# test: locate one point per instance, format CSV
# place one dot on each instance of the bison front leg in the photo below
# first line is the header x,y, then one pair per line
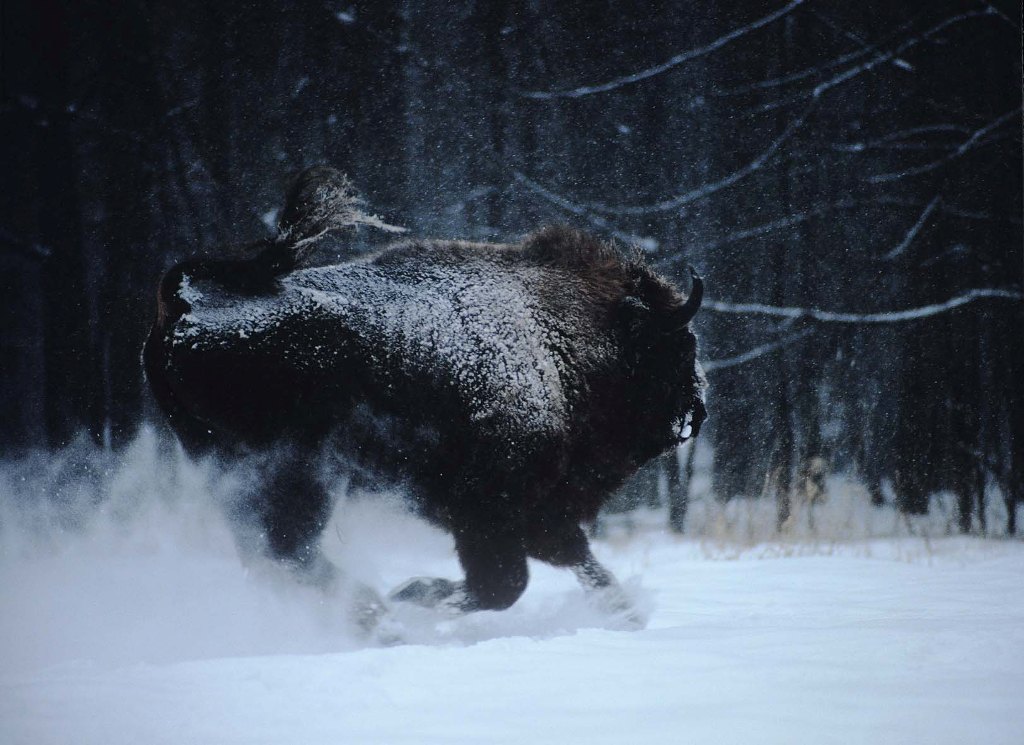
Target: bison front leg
x,y
293,506
560,541
492,552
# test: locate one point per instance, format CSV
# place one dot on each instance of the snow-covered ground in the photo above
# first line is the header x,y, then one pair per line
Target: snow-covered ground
x,y
140,625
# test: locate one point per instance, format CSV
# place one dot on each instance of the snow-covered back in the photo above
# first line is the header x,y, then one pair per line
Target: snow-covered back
x,y
474,324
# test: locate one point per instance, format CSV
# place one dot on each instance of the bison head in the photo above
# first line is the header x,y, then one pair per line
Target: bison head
x,y
665,381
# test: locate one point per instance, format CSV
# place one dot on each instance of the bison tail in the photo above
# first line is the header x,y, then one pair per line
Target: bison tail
x,y
320,200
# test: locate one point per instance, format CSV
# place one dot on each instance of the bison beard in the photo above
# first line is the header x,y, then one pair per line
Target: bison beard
x,y
508,389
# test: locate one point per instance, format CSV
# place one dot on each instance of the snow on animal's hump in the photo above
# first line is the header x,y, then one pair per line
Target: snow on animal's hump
x,y
493,342
473,328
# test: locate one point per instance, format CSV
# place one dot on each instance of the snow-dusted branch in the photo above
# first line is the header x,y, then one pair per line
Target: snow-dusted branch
x,y
792,77
767,227
817,70
674,61
557,199
943,207
893,54
709,188
645,242
950,209
855,71
895,316
866,46
752,354
900,137
815,211
995,11
755,231
914,229
976,138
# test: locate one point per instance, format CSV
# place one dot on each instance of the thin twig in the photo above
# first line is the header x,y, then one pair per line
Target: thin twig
x,y
707,189
883,57
895,316
914,229
798,218
690,54
810,72
754,353
974,140
857,70
865,45
645,242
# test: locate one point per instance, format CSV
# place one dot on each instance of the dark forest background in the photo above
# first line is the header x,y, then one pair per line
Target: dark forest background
x,y
846,175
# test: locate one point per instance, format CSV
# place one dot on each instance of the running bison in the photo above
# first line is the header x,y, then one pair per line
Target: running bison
x,y
508,389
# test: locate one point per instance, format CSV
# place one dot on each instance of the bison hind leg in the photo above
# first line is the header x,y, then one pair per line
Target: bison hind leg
x,y
283,516
290,507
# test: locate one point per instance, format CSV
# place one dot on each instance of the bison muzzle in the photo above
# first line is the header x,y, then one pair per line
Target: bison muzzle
x,y
507,389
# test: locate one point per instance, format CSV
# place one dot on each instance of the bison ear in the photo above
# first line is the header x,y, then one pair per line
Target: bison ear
x,y
685,312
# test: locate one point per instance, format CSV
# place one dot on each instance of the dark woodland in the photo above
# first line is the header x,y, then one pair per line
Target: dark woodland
x,y
847,178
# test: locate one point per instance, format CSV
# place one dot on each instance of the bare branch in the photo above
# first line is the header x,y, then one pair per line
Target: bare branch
x,y
754,353
950,209
857,70
765,228
914,229
678,59
646,243
707,189
895,316
865,45
710,188
974,140
557,199
918,146
898,138
798,218
809,72
893,54
1002,15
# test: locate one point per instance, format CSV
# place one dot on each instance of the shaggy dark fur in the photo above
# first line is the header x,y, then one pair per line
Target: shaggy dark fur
x,y
508,388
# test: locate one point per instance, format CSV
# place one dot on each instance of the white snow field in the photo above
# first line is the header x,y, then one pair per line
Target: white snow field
x,y
141,626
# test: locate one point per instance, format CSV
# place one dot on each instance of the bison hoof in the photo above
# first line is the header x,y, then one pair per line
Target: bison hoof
x,y
366,611
425,591
618,608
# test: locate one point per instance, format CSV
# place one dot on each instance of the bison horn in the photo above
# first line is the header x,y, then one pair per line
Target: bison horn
x,y
689,309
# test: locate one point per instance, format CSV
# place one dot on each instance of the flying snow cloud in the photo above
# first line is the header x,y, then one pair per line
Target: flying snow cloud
x,y
127,558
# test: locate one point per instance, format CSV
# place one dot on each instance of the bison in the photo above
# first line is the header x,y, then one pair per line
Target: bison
x,y
507,389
